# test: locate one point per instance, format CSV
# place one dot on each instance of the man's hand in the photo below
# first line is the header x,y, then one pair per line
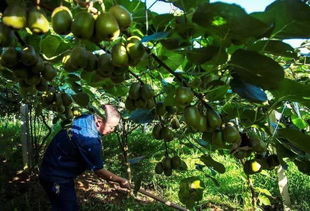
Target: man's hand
x,y
109,176
124,183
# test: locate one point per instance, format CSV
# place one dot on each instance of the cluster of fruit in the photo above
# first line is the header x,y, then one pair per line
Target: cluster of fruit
x,y
210,123
28,68
160,132
168,164
257,165
106,26
140,96
191,191
17,16
57,101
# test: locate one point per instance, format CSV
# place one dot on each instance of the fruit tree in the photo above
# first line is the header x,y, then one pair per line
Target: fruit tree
x,y
209,71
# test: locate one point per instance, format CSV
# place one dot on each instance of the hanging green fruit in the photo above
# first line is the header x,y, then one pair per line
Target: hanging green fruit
x,y
62,20
9,57
83,25
37,22
29,56
6,35
231,134
106,27
119,55
214,119
15,16
183,95
135,50
122,16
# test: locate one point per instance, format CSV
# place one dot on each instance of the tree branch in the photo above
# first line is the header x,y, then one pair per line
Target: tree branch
x,y
198,95
136,76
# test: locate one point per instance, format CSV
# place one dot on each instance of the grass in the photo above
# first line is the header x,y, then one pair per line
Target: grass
x,y
231,193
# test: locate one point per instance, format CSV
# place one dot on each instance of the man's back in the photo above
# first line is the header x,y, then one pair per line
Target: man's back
x,y
73,151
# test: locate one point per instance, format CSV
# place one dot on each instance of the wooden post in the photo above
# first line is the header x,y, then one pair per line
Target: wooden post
x,y
282,178
283,187
25,136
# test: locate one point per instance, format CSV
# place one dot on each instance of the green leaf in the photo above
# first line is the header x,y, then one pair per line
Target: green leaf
x,y
171,58
295,137
299,122
263,190
217,93
49,45
201,55
275,47
257,69
160,22
291,19
118,90
264,200
248,91
229,21
293,91
81,98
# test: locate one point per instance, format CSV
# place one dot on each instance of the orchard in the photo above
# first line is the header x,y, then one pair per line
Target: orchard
x,y
202,90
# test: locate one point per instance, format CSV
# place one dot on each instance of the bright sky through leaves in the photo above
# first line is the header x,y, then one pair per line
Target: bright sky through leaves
x,y
248,5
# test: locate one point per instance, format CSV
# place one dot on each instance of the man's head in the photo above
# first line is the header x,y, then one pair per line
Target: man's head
x,y
107,125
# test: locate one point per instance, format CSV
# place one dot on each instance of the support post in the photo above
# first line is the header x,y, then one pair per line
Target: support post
x,y
25,136
282,178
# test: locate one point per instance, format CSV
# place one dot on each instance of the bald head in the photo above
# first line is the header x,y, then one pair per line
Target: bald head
x,y
107,125
112,114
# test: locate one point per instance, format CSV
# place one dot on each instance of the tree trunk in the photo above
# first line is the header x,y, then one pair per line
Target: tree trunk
x,y
25,137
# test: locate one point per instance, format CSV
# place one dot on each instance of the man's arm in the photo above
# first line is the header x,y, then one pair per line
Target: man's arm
x,y
109,176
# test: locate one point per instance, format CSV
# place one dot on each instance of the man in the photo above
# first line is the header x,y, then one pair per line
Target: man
x,y
73,151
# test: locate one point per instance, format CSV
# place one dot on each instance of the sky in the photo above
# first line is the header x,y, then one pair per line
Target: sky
x,y
248,5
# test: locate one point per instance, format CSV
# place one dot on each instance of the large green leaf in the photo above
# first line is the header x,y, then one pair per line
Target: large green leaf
x,y
52,46
293,91
217,93
229,21
295,137
257,69
201,55
171,58
275,47
161,22
248,91
49,45
290,17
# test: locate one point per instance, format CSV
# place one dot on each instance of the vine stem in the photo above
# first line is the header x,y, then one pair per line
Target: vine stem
x,y
38,3
20,40
252,192
88,5
198,95
136,76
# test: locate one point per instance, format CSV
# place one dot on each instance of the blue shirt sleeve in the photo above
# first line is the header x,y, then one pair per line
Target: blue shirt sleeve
x,y
92,156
